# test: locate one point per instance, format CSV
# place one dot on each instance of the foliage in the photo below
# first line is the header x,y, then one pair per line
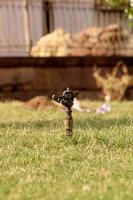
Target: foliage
x,y
126,4
118,3
114,84
37,162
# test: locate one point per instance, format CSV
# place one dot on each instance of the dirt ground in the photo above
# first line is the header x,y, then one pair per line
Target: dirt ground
x,y
41,102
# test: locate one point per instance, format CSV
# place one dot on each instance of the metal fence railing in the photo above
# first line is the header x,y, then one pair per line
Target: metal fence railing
x,y
21,24
24,22
74,15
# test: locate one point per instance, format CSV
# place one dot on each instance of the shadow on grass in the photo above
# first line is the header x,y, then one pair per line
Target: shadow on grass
x,y
96,123
36,124
99,123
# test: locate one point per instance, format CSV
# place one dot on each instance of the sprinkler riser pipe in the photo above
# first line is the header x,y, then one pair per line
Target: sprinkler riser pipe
x,y
68,122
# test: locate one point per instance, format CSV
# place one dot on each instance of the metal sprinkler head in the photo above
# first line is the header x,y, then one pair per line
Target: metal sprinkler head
x,y
67,100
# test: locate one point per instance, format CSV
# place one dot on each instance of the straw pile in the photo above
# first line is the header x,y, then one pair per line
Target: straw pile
x,y
100,41
95,41
56,43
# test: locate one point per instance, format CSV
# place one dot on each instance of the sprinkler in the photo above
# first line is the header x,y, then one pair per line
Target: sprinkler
x,y
67,100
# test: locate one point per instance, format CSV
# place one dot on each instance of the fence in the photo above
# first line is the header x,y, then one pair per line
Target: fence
x,y
78,14
23,22
47,76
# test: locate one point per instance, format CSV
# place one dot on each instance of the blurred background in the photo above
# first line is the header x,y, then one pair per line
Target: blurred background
x,y
46,46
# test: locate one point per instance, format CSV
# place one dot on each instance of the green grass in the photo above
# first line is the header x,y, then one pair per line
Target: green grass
x,y
37,162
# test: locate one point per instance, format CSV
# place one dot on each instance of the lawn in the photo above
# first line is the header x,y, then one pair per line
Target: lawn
x,y
37,162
